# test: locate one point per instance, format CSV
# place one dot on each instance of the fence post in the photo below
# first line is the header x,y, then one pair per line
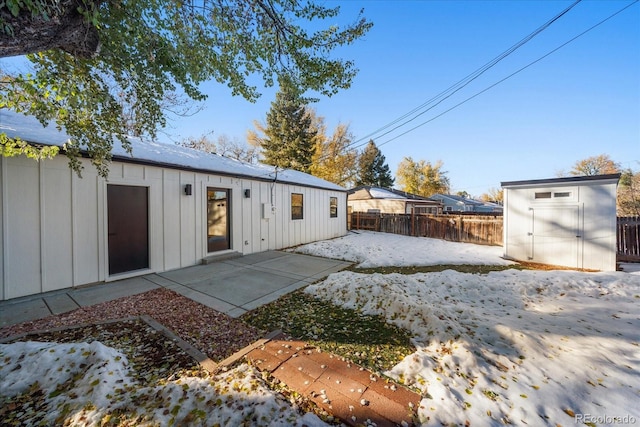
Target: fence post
x,y
413,222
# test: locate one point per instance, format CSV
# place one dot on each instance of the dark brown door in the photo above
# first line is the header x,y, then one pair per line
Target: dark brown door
x,y
218,219
128,217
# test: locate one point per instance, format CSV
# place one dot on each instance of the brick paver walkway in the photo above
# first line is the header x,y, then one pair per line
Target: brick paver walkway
x,y
346,391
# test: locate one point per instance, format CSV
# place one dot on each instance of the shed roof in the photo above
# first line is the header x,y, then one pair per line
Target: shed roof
x,y
564,180
163,155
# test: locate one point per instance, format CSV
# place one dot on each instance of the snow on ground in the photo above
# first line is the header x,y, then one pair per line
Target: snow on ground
x,y
89,383
371,249
633,268
511,347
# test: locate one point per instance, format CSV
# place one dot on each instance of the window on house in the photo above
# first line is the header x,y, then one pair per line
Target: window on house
x,y
296,206
543,195
333,207
423,210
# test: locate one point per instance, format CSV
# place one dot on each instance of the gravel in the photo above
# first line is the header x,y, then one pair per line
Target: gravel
x,y
211,332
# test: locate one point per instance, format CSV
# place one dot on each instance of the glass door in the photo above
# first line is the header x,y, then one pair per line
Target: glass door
x,y
218,235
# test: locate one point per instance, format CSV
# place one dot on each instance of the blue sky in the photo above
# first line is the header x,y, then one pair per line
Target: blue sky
x,y
581,101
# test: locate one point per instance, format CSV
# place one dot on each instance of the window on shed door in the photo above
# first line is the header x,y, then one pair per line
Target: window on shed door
x,y
297,206
333,207
543,195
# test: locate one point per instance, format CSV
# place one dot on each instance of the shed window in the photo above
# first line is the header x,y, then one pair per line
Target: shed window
x,y
562,194
333,207
543,195
297,206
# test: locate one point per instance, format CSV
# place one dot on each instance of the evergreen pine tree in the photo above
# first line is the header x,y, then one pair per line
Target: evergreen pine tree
x,y
289,136
372,168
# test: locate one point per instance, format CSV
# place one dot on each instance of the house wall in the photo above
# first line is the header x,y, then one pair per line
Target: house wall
x,y
577,229
54,224
450,205
429,208
383,205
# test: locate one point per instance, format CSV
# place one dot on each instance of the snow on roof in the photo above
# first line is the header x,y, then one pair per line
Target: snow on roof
x,y
381,193
363,192
30,129
459,199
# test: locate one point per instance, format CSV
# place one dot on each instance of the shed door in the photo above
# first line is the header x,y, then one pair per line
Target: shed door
x,y
128,222
556,235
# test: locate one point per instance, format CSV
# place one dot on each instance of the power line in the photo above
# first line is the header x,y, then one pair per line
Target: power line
x,y
450,91
464,82
510,75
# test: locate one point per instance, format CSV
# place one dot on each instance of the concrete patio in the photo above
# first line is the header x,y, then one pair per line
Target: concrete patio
x,y
232,286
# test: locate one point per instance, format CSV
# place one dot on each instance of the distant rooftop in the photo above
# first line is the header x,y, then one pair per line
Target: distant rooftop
x,y
460,199
374,192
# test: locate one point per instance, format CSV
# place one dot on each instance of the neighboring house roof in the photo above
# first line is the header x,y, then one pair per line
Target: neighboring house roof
x,y
159,154
493,205
453,198
563,180
475,205
366,192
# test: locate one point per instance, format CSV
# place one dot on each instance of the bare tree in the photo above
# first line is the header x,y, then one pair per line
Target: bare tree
x,y
236,149
201,143
629,194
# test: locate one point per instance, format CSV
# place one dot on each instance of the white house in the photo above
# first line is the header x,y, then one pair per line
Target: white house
x,y
563,221
163,208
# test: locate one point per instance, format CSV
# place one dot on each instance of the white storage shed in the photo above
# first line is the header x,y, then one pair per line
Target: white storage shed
x,y
163,208
562,221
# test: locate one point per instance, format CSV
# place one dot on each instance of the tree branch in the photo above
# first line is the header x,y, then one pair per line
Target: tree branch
x,y
66,29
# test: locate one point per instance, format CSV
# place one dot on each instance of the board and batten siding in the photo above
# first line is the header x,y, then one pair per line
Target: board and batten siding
x,y
54,224
382,205
575,226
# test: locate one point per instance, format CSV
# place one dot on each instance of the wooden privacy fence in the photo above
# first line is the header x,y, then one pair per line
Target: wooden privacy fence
x,y
628,234
481,229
